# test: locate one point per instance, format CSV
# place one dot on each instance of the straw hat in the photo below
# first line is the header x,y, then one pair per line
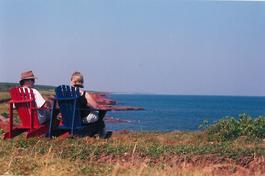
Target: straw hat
x,y
27,75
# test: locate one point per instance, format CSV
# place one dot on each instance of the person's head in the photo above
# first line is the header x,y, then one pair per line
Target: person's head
x,y
77,80
27,79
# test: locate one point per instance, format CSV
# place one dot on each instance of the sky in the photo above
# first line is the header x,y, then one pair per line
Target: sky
x,y
152,46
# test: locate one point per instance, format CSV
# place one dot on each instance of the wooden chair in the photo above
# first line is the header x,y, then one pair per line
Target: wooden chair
x,y
23,100
67,99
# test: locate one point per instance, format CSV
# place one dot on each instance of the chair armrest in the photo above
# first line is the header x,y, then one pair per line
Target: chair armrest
x,y
20,101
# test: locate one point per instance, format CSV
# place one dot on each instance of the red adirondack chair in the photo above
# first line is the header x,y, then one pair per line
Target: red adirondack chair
x,y
23,100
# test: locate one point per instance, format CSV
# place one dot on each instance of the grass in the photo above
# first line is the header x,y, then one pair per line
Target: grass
x,y
126,154
4,95
232,146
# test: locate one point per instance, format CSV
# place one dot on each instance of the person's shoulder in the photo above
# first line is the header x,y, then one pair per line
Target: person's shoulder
x,y
35,90
82,92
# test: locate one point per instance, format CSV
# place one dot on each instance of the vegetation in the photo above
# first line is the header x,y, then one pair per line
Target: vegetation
x,y
232,146
4,87
176,153
231,128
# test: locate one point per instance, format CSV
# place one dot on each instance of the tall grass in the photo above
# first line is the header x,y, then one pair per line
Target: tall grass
x,y
129,154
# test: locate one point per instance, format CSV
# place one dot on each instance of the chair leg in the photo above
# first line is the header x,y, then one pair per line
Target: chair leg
x,y
10,120
51,119
15,132
101,114
100,124
73,118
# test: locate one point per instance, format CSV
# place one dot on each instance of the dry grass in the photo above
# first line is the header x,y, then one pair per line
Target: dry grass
x,y
4,95
129,154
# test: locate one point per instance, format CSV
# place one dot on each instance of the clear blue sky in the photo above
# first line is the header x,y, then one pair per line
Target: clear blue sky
x,y
152,46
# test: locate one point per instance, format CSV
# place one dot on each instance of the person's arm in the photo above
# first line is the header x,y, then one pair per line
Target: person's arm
x,y
92,103
48,103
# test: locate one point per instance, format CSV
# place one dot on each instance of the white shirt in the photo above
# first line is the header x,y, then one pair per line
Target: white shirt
x,y
38,98
43,115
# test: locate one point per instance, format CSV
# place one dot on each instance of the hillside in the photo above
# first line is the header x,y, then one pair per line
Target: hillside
x,y
4,86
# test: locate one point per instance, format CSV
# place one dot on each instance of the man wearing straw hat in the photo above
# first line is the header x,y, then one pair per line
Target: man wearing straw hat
x,y
27,80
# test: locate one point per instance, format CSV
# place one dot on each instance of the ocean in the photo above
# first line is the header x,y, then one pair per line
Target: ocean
x,y
180,112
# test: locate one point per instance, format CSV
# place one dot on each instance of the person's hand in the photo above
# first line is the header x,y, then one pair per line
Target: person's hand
x,y
48,104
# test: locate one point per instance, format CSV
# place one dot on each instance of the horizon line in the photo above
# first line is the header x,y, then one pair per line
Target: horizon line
x,y
153,93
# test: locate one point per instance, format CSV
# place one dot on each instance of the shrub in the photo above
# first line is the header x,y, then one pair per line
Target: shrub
x,y
229,128
259,130
246,125
224,129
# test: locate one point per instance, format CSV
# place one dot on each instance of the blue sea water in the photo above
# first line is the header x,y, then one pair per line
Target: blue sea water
x,y
179,112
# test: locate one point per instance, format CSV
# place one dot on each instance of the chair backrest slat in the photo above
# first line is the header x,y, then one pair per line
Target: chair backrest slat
x,y
22,97
66,97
